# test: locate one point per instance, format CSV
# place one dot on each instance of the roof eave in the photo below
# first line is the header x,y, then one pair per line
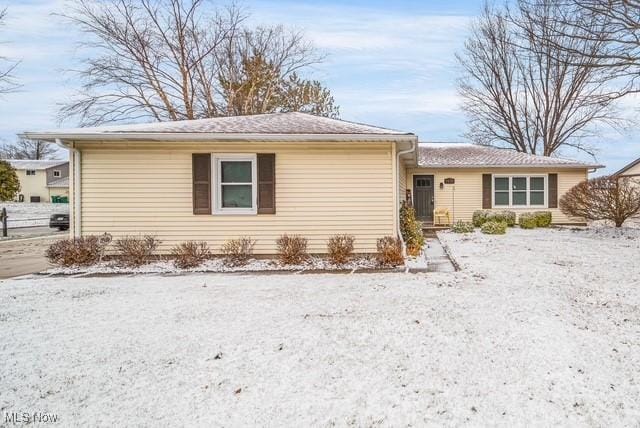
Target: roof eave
x,y
560,166
627,167
210,137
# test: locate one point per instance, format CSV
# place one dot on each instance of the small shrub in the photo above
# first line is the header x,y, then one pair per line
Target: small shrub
x,y
190,254
237,252
614,198
389,251
462,227
85,251
528,221
479,217
505,216
340,249
543,218
494,228
411,229
136,251
292,250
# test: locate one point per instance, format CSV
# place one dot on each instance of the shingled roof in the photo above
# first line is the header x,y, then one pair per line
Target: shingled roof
x,y
259,125
463,155
34,164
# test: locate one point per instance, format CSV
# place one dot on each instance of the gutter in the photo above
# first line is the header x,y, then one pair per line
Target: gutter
x,y
412,149
77,202
211,137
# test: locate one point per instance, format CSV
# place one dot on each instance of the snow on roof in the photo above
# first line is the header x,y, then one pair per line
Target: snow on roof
x,y
293,123
34,164
61,182
466,155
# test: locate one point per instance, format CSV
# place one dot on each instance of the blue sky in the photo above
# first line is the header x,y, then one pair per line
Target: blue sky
x,y
388,63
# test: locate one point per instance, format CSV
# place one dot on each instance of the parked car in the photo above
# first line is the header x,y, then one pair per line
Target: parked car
x,y
59,221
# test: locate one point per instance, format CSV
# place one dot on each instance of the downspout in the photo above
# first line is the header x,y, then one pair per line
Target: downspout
x,y
76,187
397,213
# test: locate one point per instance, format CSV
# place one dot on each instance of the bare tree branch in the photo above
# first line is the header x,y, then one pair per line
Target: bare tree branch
x,y
522,91
172,60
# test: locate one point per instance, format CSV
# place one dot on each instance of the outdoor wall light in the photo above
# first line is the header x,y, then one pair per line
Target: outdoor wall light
x,y
441,185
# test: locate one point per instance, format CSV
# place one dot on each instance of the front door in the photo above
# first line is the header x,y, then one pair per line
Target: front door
x,y
423,197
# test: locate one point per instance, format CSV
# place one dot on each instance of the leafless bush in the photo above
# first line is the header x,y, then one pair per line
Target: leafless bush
x,y
603,198
237,252
190,254
136,251
292,249
340,248
85,251
389,251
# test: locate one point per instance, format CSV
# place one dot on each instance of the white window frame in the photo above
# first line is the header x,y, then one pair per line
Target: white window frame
x,y
528,190
57,171
216,160
29,171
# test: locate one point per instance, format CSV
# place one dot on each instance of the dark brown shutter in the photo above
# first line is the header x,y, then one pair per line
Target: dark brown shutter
x,y
486,191
266,183
553,190
201,173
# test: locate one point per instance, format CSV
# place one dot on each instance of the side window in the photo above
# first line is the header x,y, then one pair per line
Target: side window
x,y
57,173
501,189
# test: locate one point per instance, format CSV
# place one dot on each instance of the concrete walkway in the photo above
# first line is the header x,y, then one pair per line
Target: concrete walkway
x,y
437,258
24,256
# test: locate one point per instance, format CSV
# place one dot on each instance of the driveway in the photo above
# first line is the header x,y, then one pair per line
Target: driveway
x,y
24,256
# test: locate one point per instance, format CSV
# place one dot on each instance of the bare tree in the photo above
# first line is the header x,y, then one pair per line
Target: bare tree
x,y
616,23
604,198
173,60
7,81
28,149
521,91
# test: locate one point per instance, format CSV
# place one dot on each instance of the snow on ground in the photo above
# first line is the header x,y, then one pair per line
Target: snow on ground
x,y
541,327
27,214
217,265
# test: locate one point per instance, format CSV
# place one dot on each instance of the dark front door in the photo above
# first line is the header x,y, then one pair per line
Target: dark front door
x,y
423,197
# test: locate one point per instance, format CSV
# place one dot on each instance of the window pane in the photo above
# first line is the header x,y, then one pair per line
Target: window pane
x,y
536,198
519,198
236,171
502,198
236,196
537,183
502,183
519,183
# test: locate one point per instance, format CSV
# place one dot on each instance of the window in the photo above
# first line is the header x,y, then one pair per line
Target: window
x,y
519,191
235,185
31,172
57,173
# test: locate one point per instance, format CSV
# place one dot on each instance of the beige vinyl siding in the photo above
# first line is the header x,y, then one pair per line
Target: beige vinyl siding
x,y
402,174
33,185
635,171
634,174
321,190
465,196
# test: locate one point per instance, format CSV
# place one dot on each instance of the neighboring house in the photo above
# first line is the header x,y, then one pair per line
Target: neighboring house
x,y
41,180
266,175
631,170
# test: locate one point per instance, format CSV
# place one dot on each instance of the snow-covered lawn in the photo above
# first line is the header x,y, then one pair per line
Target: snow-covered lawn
x,y
542,327
27,214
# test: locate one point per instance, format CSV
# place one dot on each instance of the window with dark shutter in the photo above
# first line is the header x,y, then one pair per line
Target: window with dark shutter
x,y
553,191
486,191
201,173
266,183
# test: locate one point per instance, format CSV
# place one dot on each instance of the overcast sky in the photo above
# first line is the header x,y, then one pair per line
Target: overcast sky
x,y
389,64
